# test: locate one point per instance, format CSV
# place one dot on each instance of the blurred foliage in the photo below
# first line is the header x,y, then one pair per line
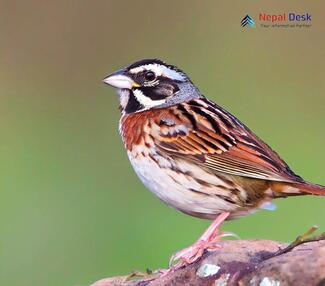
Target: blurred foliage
x,y
72,210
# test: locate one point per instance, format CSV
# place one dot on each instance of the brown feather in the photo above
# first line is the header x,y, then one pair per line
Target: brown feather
x,y
203,133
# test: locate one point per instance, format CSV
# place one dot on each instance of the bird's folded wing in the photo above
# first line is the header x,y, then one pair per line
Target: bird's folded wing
x,y
221,143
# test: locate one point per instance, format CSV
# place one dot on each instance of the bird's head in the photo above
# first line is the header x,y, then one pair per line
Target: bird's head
x,y
151,83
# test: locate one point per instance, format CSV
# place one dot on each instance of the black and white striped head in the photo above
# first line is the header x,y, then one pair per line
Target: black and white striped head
x,y
151,83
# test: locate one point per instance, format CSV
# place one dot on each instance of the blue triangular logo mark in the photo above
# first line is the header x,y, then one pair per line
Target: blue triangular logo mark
x,y
247,20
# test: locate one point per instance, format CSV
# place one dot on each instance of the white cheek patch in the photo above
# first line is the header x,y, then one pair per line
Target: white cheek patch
x,y
146,101
160,70
124,97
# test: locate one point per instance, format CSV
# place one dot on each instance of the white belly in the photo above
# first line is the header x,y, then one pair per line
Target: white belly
x,y
176,184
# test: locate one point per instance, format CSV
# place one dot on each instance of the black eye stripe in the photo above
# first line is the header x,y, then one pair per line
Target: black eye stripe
x,y
153,93
141,77
163,88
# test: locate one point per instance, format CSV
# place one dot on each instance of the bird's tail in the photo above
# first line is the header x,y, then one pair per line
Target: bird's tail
x,y
297,189
310,188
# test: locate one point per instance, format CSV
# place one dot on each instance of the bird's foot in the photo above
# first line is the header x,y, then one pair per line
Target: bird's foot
x,y
208,241
194,252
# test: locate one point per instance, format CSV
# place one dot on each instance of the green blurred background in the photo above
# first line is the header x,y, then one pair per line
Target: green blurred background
x,y
72,210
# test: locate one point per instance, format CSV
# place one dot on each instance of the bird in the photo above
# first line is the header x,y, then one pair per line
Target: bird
x,y
193,154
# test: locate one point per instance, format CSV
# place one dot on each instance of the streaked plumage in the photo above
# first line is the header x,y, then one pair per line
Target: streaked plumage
x,y
194,155
208,156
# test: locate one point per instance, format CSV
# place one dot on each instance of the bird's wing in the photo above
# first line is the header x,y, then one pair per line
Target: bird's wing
x,y
203,132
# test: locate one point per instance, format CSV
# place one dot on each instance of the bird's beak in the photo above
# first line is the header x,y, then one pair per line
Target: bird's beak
x,y
120,80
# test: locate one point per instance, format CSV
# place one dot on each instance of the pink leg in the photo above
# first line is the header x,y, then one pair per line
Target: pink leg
x,y
207,241
213,229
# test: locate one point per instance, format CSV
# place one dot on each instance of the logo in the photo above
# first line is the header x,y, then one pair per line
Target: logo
x,y
247,20
279,20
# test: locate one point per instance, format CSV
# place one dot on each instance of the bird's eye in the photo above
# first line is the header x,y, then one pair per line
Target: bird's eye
x,y
149,76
